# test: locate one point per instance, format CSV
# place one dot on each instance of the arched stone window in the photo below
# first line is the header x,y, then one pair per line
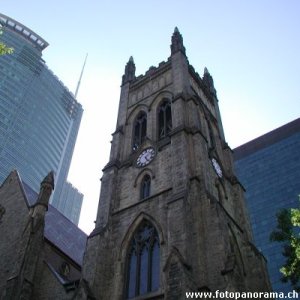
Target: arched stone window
x,y
145,187
164,119
139,130
143,262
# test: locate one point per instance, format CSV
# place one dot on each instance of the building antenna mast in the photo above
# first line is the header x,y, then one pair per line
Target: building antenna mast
x,y
79,81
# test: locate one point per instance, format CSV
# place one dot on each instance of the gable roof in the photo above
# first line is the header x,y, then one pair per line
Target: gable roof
x,y
59,230
65,235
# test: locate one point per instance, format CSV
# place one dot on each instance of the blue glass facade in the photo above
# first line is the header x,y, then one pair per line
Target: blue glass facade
x,y
39,117
269,169
70,202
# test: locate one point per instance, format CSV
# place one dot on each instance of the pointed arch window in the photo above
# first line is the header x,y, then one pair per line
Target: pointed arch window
x,y
143,262
145,187
164,119
139,130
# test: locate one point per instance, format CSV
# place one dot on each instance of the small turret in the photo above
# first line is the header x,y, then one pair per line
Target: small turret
x,y
208,81
177,42
129,74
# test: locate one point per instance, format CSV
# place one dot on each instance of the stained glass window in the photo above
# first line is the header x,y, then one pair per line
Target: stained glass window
x,y
143,262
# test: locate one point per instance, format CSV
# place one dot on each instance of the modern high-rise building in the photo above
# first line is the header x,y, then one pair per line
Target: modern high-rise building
x,y
39,116
269,169
70,202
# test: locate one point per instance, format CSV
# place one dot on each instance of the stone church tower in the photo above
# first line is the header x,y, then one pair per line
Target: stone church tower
x,y
171,216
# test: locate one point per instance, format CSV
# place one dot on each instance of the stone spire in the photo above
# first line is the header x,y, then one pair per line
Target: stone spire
x,y
48,181
47,185
177,42
129,74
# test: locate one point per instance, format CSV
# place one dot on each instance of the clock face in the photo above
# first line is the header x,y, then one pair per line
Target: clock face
x,y
145,157
217,167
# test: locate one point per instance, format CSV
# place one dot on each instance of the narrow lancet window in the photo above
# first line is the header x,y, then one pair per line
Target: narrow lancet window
x,y
145,187
164,119
139,130
143,262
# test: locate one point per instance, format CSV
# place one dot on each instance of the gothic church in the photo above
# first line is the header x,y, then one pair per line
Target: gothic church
x,y
171,216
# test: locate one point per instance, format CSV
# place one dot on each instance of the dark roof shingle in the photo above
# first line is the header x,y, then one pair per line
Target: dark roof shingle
x,y
59,230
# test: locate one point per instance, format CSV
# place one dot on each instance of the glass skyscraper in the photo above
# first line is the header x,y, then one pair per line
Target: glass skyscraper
x,y
269,169
70,202
39,116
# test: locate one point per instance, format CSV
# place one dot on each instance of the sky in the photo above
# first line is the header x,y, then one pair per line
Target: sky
x,y
251,48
